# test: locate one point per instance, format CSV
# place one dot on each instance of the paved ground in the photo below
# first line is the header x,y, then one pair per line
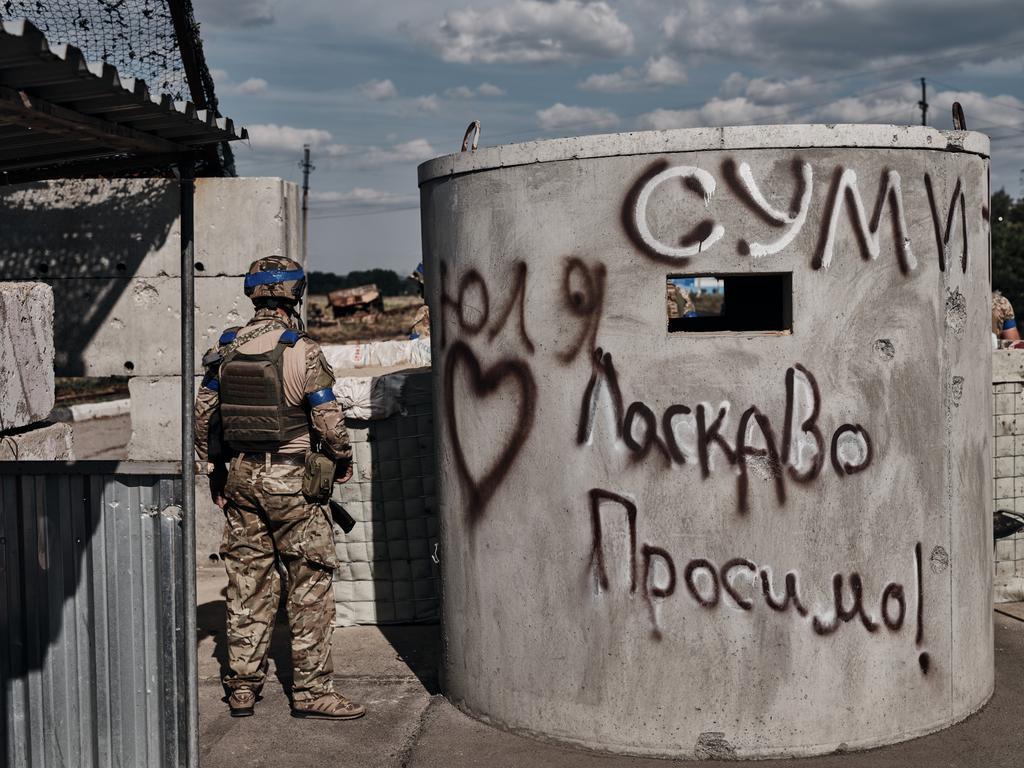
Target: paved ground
x,y
393,671
102,438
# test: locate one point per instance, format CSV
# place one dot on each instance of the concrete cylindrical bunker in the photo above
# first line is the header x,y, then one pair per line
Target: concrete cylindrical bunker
x,y
759,534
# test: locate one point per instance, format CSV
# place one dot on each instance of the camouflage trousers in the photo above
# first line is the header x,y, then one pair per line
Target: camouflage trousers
x,y
268,518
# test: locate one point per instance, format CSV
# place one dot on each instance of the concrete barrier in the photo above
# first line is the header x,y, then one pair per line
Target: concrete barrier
x,y
26,354
51,442
760,533
1008,444
110,250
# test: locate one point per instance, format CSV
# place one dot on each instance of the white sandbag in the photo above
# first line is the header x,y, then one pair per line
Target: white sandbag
x,y
378,354
370,397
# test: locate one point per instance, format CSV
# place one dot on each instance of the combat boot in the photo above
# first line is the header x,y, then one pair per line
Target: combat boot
x,y
329,706
242,702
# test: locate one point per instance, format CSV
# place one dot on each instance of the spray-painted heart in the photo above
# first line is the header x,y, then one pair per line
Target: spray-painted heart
x,y
484,383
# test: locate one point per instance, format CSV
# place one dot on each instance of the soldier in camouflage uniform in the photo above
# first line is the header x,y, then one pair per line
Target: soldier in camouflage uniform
x,y
270,386
1004,325
421,322
678,301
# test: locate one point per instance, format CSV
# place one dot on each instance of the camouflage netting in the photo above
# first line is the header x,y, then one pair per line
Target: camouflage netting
x,y
135,36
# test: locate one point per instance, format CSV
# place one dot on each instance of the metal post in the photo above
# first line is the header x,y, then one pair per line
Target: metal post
x,y
306,168
187,193
923,103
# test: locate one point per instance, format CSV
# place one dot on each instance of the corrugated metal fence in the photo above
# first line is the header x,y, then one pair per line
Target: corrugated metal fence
x,y
92,615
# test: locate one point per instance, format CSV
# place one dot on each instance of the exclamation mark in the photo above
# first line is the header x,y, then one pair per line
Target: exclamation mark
x,y
924,660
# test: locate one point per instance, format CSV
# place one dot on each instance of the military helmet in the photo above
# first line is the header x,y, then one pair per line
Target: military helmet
x,y
275,277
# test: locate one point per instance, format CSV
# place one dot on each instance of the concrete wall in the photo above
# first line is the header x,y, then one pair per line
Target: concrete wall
x,y
1008,445
110,250
616,497
26,353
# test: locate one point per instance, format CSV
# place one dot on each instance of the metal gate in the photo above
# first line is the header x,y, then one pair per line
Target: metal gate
x,y
93,615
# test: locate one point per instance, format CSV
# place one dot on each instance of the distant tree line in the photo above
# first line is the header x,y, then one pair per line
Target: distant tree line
x,y
388,281
1007,220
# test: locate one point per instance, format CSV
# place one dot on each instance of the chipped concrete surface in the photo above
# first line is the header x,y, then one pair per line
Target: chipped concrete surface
x,y
394,671
26,353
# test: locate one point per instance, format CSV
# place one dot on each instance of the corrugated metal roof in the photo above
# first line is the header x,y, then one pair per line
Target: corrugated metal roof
x,y
55,107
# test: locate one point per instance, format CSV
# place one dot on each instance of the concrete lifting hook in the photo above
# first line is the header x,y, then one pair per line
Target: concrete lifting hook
x,y
959,121
473,128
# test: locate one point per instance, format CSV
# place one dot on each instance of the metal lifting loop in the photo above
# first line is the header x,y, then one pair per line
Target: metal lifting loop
x,y
959,120
473,128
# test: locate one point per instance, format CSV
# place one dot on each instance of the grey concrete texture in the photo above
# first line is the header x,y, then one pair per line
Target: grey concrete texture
x,y
97,228
156,417
847,460
393,670
105,438
111,251
52,442
26,354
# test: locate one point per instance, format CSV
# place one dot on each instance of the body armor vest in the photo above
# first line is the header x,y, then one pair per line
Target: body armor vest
x,y
253,407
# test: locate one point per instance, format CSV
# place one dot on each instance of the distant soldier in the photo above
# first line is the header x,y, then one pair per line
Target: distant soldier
x,y
1004,325
271,388
421,322
678,301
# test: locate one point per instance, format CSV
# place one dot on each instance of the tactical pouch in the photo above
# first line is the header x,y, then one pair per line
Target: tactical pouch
x,y
318,479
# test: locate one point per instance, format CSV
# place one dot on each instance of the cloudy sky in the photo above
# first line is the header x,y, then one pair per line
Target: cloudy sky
x,y
377,87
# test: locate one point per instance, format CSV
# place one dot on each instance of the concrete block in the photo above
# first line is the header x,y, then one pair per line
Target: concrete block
x,y
1004,467
1005,404
156,418
1004,445
114,327
26,354
52,442
130,227
239,220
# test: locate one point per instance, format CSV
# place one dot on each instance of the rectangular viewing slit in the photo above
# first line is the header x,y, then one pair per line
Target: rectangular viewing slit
x,y
711,303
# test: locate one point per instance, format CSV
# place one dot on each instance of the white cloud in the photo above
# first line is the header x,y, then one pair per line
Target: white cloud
x,y
839,34
224,85
270,138
362,197
378,90
735,111
489,90
528,31
236,13
658,72
563,116
414,151
1003,67
430,104
764,90
486,90
251,86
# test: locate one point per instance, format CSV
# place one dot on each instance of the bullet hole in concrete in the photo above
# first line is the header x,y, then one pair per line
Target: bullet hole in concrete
x,y
121,267
42,268
925,661
885,349
957,390
939,560
214,558
956,312
200,266
129,365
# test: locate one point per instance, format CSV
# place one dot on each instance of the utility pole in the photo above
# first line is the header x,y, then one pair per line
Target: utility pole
x,y
923,103
306,167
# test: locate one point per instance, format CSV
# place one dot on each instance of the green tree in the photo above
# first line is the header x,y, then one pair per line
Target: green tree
x,y
1007,220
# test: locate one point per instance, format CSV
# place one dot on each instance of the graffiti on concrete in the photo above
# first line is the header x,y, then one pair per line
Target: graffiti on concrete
x,y
654,572
843,194
685,434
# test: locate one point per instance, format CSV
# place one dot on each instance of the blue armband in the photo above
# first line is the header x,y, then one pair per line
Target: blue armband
x,y
1011,323
211,383
228,336
289,337
691,314
320,397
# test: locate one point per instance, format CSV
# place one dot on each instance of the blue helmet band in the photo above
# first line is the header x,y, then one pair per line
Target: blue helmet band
x,y
273,276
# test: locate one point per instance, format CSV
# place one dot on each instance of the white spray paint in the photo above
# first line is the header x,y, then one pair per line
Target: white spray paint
x,y
847,188
794,220
707,184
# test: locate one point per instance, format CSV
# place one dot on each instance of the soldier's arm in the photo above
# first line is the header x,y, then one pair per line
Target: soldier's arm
x,y
325,414
207,402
